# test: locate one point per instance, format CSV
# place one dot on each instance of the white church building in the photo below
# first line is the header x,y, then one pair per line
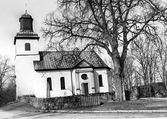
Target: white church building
x,y
56,73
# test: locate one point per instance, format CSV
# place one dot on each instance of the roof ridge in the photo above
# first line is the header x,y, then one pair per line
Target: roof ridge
x,y
83,60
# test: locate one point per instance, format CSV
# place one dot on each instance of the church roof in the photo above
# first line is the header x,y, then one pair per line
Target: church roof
x,y
57,60
26,15
25,35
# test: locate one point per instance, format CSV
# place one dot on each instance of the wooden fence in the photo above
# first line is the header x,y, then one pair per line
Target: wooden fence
x,y
89,100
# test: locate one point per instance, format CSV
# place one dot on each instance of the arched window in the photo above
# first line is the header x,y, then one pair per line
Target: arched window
x,y
62,83
49,83
27,47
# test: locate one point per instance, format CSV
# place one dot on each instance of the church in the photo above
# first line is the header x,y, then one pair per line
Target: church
x,y
46,74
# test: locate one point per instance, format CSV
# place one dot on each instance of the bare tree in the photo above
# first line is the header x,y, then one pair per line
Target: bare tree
x,y
7,80
128,73
145,54
146,57
162,58
5,68
108,24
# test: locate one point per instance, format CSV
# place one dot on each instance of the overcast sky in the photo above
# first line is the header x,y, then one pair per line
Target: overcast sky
x,y
10,12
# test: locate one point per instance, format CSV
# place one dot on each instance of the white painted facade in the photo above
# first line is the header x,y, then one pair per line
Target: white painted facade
x,y
73,82
20,47
41,80
25,75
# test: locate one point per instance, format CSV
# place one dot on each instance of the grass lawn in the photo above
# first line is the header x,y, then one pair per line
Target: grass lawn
x,y
140,104
23,110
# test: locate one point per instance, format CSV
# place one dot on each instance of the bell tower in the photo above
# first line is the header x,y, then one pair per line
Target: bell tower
x,y
26,51
26,40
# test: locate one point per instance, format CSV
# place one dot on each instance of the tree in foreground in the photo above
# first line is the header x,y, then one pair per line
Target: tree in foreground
x,y
107,24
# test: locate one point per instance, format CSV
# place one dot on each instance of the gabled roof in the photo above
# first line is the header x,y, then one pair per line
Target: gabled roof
x,y
58,60
83,63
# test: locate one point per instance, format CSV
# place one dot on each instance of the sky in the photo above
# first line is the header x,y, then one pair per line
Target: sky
x,y
11,11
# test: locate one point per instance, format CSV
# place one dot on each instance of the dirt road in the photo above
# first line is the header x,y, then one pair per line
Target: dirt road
x,y
37,115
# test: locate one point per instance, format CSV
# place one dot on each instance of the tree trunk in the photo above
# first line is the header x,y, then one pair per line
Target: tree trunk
x,y
118,78
164,74
119,90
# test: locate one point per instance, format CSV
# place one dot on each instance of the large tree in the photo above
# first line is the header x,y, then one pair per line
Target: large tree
x,y
108,24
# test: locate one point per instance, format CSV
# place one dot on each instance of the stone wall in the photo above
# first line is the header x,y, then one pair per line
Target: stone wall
x,y
152,90
67,102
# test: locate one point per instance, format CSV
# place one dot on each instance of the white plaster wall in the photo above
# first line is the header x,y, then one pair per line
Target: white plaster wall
x,y
20,49
24,68
78,90
74,81
97,89
41,81
25,74
103,72
90,80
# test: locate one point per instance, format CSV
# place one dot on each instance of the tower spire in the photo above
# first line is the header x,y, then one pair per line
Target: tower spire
x,y
26,8
26,22
26,27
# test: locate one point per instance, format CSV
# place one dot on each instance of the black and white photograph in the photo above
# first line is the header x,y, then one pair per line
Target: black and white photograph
x,y
83,59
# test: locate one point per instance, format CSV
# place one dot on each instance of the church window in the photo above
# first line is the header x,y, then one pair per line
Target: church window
x,y
100,81
27,47
49,83
62,83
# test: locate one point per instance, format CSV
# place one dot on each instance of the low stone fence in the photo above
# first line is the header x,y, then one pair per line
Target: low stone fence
x,y
69,101
152,90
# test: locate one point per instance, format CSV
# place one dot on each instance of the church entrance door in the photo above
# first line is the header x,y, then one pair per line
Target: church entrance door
x,y
85,88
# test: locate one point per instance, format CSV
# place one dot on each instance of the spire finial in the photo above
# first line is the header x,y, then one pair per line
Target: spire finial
x,y
26,8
